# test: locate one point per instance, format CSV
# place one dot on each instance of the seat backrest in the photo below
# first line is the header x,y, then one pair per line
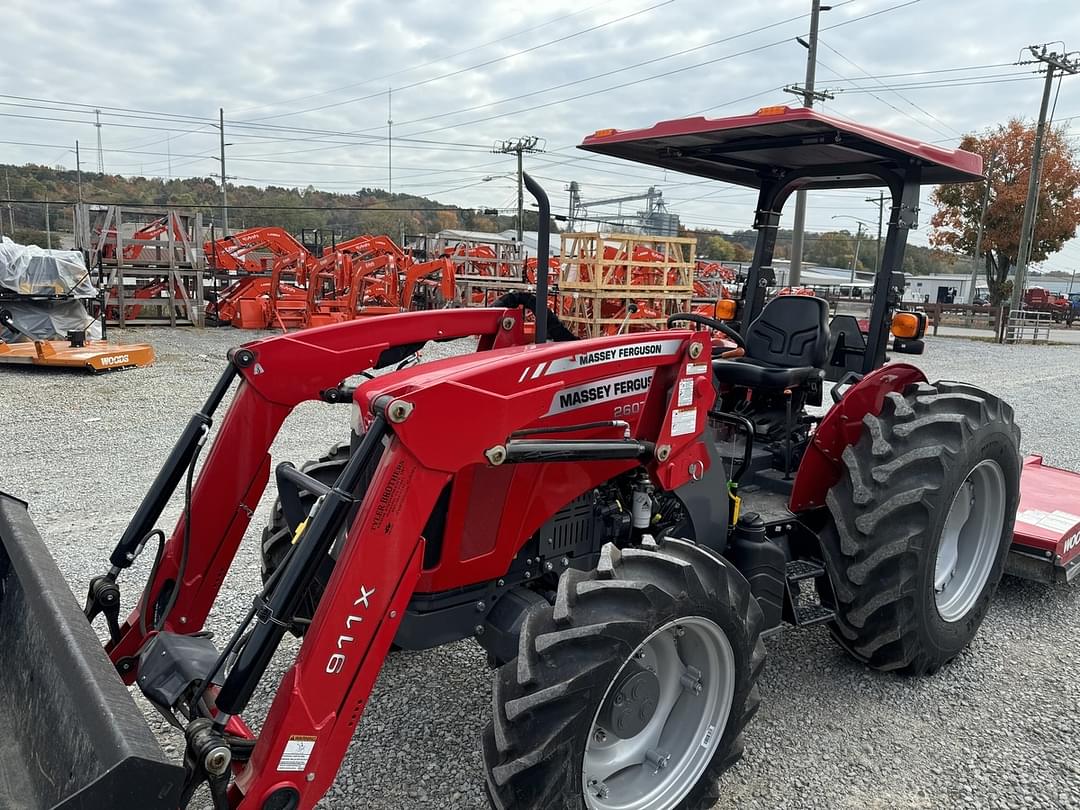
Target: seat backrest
x,y
791,331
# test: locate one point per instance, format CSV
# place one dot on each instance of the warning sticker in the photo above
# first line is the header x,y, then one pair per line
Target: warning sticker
x,y
296,754
683,422
1056,521
686,393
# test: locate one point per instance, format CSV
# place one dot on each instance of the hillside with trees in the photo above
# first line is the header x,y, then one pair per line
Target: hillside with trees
x,y
829,249
365,211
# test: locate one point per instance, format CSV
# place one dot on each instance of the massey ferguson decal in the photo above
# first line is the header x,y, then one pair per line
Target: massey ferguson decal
x,y
631,351
581,396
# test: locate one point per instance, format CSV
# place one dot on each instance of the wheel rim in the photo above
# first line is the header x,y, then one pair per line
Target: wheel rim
x,y
969,541
694,668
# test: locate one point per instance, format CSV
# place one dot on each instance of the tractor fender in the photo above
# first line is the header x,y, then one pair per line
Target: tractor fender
x,y
821,465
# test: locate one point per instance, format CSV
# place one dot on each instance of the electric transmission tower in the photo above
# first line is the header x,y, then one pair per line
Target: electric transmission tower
x,y
100,153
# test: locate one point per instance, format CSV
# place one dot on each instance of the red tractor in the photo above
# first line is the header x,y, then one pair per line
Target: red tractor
x,y
1040,299
620,523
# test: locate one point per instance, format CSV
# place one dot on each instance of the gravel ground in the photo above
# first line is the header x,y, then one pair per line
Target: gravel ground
x,y
995,729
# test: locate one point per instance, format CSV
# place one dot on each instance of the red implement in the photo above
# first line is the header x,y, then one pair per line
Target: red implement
x,y
1046,540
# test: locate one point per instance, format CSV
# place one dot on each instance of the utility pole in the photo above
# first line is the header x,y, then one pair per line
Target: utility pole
x,y
48,229
519,146
979,230
100,153
575,202
808,94
389,141
1054,62
879,201
855,258
224,192
78,170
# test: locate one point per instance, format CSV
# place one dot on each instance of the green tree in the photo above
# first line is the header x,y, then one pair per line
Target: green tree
x,y
832,249
717,248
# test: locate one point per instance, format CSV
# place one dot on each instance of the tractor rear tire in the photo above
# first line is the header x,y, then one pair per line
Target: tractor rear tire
x,y
576,658
277,536
922,523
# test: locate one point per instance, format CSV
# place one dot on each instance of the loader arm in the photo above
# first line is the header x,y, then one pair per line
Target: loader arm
x,y
277,374
441,269
535,405
320,700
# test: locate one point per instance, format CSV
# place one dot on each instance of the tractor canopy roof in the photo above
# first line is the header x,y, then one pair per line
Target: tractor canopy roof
x,y
748,149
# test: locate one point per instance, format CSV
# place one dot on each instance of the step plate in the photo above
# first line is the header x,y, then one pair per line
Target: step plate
x,y
809,615
798,570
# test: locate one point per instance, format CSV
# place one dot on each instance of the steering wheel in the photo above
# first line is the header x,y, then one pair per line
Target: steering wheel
x,y
712,323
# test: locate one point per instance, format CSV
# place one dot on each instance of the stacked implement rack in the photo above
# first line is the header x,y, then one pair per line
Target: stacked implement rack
x,y
611,283
485,267
583,525
153,276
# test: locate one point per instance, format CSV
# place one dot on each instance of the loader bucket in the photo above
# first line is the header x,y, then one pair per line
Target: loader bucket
x,y
71,737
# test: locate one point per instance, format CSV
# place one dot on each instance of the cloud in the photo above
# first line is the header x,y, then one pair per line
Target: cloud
x,y
328,66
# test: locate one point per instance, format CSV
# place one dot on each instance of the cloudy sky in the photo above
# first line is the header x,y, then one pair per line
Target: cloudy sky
x,y
304,86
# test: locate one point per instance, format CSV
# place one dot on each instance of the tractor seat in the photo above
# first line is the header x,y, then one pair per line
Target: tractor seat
x,y
785,346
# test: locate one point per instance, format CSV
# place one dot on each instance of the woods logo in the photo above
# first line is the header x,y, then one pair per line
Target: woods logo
x,y
1072,542
115,360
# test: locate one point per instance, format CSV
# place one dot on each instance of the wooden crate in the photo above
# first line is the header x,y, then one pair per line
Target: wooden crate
x,y
591,313
613,263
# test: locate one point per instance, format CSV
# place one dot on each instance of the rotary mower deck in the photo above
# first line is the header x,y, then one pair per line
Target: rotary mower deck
x,y
77,352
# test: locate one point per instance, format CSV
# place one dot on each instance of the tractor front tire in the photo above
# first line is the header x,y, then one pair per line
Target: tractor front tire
x,y
922,523
635,686
277,536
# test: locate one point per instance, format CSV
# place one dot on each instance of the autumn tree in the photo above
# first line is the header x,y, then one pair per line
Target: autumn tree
x,y
1006,154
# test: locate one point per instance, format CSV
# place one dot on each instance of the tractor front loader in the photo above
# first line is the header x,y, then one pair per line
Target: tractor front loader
x,y
619,523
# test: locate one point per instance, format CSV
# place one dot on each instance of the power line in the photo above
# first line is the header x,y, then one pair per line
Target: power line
x,y
409,143
416,143
486,63
612,72
1003,78
79,108
372,207
661,75
441,58
866,73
